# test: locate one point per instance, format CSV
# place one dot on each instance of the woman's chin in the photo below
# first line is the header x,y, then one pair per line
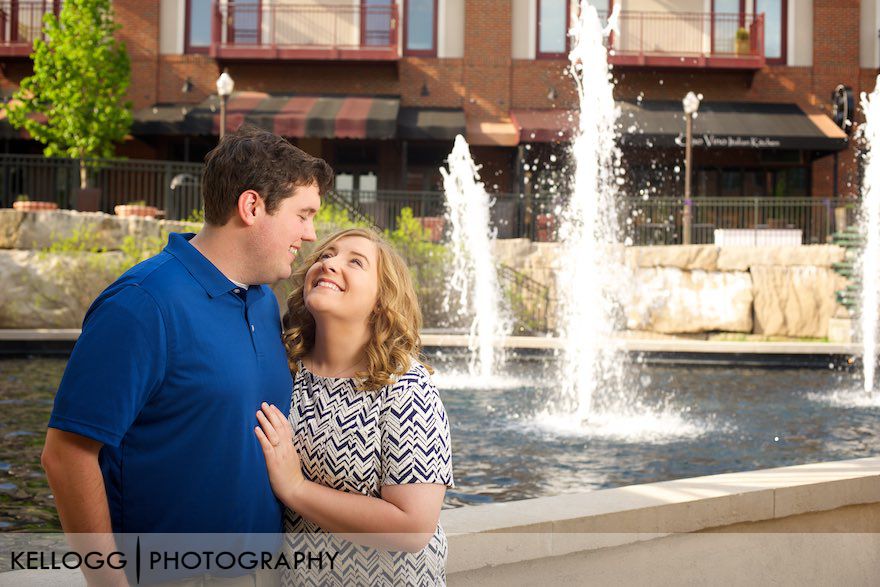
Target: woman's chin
x,y
320,307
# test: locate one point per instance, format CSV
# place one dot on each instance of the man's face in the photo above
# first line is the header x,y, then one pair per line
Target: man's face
x,y
280,235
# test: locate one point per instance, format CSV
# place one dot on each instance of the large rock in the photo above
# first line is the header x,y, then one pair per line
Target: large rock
x,y
685,257
42,290
38,230
744,258
670,301
511,251
795,301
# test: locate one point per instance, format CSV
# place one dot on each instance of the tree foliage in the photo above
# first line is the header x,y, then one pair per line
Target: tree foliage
x,y
74,103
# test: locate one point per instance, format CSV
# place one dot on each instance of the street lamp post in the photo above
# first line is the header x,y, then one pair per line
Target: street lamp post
x,y
225,85
691,104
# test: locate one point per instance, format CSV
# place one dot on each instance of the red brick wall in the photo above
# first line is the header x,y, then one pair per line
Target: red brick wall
x,y
201,70
140,32
487,58
487,83
532,80
444,79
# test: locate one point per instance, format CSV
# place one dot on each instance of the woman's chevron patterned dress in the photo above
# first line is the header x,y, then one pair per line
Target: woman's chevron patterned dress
x,y
358,441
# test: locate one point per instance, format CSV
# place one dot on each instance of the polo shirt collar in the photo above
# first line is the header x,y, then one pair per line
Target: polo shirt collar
x,y
202,270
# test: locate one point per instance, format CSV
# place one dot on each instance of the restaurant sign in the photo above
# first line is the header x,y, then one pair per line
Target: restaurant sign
x,y
730,142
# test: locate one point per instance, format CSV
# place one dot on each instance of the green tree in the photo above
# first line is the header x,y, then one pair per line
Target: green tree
x,y
74,103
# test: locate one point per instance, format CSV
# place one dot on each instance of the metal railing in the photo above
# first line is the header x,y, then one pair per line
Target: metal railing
x,y
343,201
658,221
271,25
171,186
529,300
21,23
688,34
385,206
175,188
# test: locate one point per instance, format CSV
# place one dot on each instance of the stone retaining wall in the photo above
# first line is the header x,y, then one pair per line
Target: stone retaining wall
x,y
669,290
51,290
770,291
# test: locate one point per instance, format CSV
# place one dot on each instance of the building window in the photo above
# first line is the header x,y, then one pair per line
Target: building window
x,y
775,29
376,24
554,22
197,34
553,28
603,7
420,33
727,17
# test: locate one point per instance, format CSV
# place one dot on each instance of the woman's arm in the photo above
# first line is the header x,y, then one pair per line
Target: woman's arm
x,y
404,518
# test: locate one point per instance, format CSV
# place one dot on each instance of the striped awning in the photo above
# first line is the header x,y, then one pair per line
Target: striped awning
x,y
340,117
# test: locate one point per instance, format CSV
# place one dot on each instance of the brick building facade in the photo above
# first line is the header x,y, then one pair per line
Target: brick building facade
x,y
470,66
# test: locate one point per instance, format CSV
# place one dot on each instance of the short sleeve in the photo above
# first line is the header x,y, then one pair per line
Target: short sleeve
x,y
416,446
117,363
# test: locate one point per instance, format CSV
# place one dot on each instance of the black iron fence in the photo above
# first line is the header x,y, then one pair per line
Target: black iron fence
x,y
171,186
659,221
174,187
655,221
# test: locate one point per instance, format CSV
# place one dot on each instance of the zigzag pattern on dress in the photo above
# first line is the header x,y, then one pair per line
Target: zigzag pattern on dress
x,y
356,441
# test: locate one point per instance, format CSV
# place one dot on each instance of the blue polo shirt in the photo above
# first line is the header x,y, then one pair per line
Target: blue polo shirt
x,y
172,365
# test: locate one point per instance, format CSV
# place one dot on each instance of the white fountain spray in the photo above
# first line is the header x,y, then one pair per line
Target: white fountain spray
x,y
474,280
589,234
870,261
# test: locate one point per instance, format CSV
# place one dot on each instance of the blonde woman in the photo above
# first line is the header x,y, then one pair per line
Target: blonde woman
x,y
365,454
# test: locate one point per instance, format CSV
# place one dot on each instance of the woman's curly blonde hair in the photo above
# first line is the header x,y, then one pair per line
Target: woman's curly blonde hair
x,y
394,324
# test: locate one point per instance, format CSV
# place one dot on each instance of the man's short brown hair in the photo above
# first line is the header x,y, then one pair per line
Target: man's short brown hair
x,y
255,159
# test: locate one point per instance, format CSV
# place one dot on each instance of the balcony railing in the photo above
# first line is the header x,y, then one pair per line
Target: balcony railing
x,y
689,39
274,30
21,23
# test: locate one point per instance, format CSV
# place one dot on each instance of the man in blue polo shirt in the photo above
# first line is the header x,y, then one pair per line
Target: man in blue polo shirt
x,y
152,428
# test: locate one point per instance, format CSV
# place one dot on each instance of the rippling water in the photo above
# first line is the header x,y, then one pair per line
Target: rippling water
x,y
27,388
701,421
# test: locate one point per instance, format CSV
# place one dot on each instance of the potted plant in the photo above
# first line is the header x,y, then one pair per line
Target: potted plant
x,y
23,203
743,41
138,208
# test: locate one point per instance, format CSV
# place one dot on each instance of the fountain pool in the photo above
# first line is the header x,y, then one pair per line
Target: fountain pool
x,y
703,421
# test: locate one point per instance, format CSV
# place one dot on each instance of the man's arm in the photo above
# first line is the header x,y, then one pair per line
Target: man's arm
x,y
71,465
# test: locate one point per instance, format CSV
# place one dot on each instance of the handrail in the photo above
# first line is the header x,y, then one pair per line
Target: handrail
x,y
281,25
699,34
521,283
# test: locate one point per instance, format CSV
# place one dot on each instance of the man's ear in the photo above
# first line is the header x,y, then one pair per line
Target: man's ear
x,y
250,205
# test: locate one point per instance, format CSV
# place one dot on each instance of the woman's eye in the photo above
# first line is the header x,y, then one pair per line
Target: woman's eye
x,y
358,262
325,256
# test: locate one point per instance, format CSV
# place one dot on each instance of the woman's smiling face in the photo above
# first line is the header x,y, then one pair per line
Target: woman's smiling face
x,y
343,282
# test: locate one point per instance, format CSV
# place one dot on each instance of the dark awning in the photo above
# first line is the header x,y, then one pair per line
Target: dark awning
x,y
719,125
342,117
439,124
731,125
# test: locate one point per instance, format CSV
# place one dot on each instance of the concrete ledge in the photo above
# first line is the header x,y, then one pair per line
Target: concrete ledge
x,y
14,342
523,532
39,334
663,345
